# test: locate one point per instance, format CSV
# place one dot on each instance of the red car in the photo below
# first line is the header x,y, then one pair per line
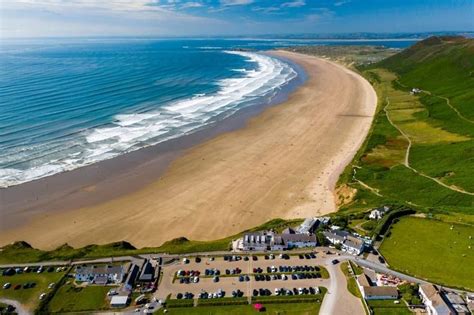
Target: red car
x,y
17,287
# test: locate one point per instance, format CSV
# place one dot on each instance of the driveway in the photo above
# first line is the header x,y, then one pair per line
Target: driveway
x,y
338,299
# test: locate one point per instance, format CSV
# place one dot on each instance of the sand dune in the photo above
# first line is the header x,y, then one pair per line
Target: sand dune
x,y
283,163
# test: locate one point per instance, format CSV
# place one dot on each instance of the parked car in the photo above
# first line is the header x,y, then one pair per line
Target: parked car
x,y
335,261
7,285
381,260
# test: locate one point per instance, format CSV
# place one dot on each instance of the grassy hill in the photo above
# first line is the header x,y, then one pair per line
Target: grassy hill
x,y
421,149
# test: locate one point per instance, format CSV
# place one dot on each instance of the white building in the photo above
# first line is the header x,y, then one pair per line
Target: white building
x,y
435,305
371,292
100,274
309,225
349,243
377,214
119,301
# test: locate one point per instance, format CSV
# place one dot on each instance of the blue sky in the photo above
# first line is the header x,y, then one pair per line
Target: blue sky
x,y
40,18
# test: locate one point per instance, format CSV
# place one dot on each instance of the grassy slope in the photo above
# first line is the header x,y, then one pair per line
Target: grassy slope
x,y
430,249
442,141
21,252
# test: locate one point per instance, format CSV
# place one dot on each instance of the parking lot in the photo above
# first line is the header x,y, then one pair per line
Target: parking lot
x,y
224,276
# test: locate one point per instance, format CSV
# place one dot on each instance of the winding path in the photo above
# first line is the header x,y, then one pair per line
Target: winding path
x,y
407,156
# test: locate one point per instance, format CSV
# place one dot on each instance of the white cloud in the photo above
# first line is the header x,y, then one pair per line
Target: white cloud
x,y
339,3
191,4
235,2
294,4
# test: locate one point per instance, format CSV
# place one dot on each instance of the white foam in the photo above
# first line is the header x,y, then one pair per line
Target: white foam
x,y
130,132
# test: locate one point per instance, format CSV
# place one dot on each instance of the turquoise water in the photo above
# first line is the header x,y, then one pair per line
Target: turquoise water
x,y
69,103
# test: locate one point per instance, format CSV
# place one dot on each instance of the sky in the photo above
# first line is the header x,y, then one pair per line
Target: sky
x,y
72,18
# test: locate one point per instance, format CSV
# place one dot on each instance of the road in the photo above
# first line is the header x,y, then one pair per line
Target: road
x,y
338,299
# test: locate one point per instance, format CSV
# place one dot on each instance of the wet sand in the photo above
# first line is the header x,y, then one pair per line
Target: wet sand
x,y
283,163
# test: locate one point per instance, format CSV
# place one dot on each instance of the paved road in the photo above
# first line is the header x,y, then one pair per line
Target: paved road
x,y
338,299
18,307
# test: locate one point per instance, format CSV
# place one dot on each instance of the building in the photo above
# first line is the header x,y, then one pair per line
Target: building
x,y
267,240
380,293
131,277
100,274
435,305
456,302
260,241
336,236
370,291
353,245
147,273
119,301
299,240
349,243
310,225
378,213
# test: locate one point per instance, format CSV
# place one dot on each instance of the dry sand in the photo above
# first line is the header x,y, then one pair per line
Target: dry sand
x,y
283,164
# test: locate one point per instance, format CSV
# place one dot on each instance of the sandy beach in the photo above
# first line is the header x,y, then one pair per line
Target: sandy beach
x,y
284,163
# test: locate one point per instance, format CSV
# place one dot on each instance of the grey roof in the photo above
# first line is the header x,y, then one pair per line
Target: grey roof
x,y
147,272
304,238
437,301
308,225
288,230
99,270
381,291
354,242
336,234
132,275
454,298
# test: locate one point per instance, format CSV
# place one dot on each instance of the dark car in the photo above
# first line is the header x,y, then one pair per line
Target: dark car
x,y
335,261
197,259
254,258
301,256
179,296
255,292
17,287
382,261
246,258
374,251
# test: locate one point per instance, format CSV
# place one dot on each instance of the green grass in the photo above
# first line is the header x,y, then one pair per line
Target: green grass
x,y
276,309
442,139
29,297
430,249
351,281
73,299
21,252
387,307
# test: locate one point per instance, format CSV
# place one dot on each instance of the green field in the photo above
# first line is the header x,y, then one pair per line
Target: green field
x,y
431,249
387,307
438,122
76,299
29,297
276,309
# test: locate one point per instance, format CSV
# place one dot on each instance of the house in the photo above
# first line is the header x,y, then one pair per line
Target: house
x,y
456,302
131,277
310,225
371,292
380,293
147,273
435,305
336,236
353,245
100,274
378,213
259,241
349,243
299,240
119,301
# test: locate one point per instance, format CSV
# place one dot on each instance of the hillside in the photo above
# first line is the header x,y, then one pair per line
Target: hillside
x,y
420,152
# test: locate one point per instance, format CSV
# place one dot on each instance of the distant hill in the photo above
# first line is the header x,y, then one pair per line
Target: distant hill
x,y
420,152
443,65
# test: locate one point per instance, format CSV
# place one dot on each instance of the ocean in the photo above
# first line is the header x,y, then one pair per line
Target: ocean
x,y
67,103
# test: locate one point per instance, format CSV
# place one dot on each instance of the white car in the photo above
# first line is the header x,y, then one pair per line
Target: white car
x,y
42,296
300,291
51,285
7,285
284,277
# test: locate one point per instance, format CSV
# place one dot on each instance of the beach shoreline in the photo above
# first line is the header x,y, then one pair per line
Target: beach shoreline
x,y
242,174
